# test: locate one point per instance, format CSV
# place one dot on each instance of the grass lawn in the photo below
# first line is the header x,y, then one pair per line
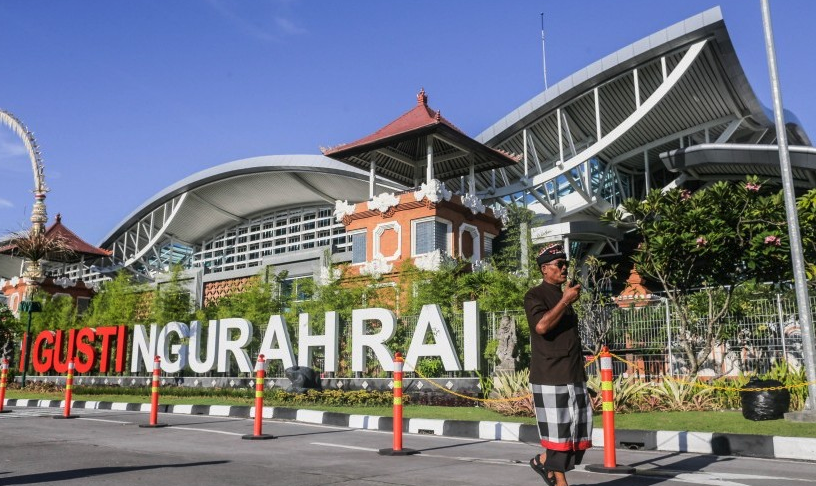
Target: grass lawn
x,y
724,421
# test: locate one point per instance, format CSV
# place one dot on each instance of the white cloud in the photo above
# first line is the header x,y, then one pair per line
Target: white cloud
x,y
4,203
288,27
253,23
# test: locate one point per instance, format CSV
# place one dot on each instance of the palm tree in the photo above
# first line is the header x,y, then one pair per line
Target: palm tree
x,y
35,246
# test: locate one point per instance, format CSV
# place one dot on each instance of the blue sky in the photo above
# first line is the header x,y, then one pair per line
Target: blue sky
x,y
127,98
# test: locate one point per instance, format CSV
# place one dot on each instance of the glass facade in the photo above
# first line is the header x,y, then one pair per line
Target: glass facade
x,y
274,233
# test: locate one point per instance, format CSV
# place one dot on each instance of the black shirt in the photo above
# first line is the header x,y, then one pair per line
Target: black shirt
x,y
556,356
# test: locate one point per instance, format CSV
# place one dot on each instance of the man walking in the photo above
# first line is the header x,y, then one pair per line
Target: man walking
x,y
557,376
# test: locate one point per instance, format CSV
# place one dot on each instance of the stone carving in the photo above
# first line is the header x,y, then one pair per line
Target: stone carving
x,y
434,191
472,202
342,209
501,213
383,202
506,335
376,267
302,378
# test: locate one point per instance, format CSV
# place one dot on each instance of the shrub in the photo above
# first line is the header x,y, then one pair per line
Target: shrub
x,y
511,394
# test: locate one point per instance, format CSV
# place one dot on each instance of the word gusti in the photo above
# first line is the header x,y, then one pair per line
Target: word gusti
x,y
178,345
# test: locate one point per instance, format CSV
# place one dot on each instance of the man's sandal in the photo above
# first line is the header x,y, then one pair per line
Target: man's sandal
x,y
542,471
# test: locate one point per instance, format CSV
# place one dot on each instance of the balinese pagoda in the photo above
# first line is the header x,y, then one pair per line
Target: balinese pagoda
x,y
427,222
63,272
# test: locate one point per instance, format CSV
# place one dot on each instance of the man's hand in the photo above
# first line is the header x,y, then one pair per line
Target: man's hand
x,y
571,292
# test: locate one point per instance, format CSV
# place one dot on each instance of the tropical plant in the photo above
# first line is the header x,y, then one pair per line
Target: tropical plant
x,y
593,307
682,395
511,395
629,393
115,304
715,239
172,302
9,327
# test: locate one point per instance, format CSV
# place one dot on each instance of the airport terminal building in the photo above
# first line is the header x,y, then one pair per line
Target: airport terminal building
x,y
672,109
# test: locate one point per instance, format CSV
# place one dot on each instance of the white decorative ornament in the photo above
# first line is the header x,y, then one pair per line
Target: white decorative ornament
x,y
480,265
329,275
383,202
376,267
472,202
430,261
14,281
434,190
65,282
501,213
342,209
3,282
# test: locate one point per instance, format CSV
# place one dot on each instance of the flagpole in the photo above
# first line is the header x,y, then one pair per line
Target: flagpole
x,y
543,51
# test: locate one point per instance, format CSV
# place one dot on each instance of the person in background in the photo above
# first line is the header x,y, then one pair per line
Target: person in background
x,y
557,377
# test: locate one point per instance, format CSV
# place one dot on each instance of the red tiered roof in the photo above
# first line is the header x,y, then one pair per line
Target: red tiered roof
x,y
77,245
399,146
74,242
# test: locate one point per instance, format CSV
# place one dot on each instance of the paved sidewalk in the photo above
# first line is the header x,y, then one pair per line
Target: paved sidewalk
x,y
772,447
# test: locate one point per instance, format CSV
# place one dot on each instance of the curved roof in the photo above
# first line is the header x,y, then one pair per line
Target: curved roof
x,y
729,160
201,204
597,136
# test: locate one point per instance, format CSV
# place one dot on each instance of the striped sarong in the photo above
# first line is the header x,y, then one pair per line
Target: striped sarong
x,y
564,416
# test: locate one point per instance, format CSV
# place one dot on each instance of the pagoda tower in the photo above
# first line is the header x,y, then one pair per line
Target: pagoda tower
x,y
427,222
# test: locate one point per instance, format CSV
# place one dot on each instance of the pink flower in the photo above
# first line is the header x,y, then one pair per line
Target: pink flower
x,y
701,242
752,187
685,195
773,240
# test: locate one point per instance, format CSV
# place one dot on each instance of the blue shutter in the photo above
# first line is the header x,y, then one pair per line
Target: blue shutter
x,y
424,237
441,237
358,248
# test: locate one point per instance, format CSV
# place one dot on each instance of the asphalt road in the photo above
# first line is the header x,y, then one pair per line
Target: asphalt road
x,y
103,447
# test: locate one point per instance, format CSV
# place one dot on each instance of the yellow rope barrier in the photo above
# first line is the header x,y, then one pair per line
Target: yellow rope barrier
x,y
592,360
725,388
487,400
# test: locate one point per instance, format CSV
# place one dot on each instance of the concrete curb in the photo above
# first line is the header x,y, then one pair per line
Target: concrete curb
x,y
772,447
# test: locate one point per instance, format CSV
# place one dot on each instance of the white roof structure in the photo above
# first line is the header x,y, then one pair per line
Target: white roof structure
x,y
672,108
163,229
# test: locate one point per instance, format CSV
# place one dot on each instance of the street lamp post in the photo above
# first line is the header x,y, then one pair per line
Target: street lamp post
x,y
31,307
799,277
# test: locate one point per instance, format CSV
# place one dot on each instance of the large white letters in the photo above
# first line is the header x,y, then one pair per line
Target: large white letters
x,y
361,340
277,332
165,349
328,340
142,348
472,335
431,317
194,348
179,346
236,347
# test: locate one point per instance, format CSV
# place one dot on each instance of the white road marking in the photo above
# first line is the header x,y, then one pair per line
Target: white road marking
x,y
204,430
340,446
709,477
424,454
103,420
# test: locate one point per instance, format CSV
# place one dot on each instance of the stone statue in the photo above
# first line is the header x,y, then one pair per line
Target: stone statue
x,y
506,336
303,378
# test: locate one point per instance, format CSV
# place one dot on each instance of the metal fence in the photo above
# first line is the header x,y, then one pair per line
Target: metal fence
x,y
649,339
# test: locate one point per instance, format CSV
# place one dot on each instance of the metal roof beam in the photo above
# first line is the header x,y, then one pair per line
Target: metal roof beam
x,y
669,138
627,124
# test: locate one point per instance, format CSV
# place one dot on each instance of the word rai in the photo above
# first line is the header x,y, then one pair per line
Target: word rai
x,y
181,346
